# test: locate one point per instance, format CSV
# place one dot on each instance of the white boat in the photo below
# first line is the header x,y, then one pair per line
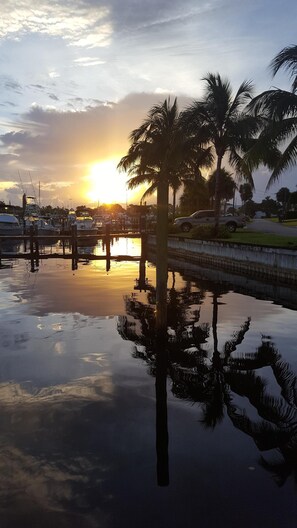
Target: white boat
x,y
85,225
10,225
41,225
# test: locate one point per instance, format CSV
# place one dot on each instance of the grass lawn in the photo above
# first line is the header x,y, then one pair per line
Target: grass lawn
x,y
286,223
244,236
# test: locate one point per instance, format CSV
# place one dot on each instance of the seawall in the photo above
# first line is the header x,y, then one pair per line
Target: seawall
x,y
258,261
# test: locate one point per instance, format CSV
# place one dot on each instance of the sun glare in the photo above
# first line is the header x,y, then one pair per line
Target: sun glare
x,y
106,184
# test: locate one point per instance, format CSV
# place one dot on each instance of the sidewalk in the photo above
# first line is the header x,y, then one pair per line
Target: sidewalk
x,y
266,226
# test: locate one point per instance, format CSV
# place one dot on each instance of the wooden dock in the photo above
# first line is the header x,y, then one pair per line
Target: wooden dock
x,y
34,240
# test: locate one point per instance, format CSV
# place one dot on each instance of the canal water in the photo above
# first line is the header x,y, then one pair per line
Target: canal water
x,y
78,424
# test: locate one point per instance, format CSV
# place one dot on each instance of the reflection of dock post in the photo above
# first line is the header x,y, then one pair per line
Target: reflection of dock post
x,y
0,252
107,244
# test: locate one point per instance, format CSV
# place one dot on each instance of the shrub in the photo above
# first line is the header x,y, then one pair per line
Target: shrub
x,y
173,229
207,232
291,215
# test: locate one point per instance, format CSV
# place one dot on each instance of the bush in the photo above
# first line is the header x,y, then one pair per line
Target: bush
x,y
207,232
173,229
290,215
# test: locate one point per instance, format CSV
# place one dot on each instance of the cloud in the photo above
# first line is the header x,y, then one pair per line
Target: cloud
x,y
79,23
10,84
53,97
88,61
61,146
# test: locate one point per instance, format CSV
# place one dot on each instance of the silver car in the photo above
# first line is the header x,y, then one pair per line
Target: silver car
x,y
186,223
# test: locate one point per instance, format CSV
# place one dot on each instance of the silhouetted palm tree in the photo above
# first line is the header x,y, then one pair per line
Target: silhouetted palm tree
x,y
279,109
153,156
218,120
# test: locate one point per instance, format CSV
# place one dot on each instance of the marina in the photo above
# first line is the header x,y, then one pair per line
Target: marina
x,y
79,444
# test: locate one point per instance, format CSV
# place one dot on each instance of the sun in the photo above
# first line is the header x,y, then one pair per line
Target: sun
x,y
106,184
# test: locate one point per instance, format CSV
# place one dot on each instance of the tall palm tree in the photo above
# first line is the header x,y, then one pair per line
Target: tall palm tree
x,y
157,156
156,150
279,110
218,120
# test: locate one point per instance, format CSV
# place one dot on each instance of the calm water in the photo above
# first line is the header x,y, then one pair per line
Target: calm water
x,y
78,399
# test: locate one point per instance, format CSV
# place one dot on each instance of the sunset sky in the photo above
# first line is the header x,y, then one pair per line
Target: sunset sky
x,y
78,75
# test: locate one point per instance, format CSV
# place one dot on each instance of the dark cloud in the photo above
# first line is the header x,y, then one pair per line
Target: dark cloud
x,y
8,103
14,86
53,97
39,86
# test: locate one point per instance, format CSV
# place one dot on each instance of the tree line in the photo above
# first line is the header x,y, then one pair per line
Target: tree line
x,y
220,131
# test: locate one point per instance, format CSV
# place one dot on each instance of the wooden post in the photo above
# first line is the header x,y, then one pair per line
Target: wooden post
x,y
31,233
107,243
143,246
36,246
0,252
74,246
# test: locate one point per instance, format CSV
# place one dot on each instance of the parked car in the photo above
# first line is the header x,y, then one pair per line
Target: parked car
x,y
186,223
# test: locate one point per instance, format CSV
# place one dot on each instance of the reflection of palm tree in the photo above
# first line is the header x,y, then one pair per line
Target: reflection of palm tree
x,y
277,428
216,383
215,394
185,335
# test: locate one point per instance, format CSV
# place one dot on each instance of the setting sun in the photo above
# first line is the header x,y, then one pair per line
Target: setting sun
x,y
106,184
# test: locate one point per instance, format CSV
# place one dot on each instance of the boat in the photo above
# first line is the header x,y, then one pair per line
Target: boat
x,y
41,225
85,225
32,217
10,225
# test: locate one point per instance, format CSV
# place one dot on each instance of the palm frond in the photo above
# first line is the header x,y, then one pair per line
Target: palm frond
x,y
274,104
242,96
286,160
287,381
287,59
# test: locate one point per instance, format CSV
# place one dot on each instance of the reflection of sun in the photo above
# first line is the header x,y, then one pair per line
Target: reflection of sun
x,y
106,184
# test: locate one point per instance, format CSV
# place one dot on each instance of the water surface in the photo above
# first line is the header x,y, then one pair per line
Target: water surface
x,y
78,401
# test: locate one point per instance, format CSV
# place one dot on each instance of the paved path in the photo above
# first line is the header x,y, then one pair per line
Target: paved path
x,y
266,226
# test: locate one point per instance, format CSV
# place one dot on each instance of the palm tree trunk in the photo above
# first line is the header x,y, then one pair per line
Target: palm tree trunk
x,y
217,195
161,260
173,203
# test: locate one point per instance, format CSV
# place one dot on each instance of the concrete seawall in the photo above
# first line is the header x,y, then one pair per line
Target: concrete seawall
x,y
266,262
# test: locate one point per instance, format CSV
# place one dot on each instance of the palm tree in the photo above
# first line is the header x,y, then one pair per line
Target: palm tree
x,y
227,185
155,152
189,174
157,156
219,121
279,109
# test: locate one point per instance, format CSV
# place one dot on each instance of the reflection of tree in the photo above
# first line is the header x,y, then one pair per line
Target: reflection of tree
x,y
218,383
277,428
185,335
